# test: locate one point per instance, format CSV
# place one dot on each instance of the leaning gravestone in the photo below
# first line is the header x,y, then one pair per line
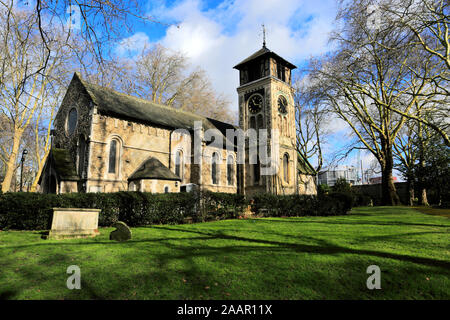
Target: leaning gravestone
x,y
74,223
122,233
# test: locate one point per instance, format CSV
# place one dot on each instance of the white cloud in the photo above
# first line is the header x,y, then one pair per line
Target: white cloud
x,y
219,38
132,45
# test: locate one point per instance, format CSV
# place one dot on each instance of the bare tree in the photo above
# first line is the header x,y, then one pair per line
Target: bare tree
x,y
405,154
41,43
311,119
371,72
428,22
24,82
164,77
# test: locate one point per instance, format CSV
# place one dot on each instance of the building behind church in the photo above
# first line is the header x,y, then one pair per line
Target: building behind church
x,y
106,141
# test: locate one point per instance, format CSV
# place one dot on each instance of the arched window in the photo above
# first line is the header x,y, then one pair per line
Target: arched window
x,y
256,172
286,167
179,164
81,155
253,122
166,189
214,168
260,121
113,163
230,170
72,120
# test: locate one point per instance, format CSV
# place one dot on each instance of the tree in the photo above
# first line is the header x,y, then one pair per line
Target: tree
x,y
434,171
163,76
311,121
428,22
370,72
405,154
24,82
39,48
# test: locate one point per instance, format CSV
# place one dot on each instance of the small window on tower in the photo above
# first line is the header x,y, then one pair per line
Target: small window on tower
x,y
256,172
280,72
252,122
260,121
286,167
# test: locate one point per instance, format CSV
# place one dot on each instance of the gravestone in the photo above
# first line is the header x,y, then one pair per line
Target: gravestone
x,y
122,233
74,223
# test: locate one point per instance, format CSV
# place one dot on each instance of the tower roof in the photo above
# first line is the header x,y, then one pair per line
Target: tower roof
x,y
264,51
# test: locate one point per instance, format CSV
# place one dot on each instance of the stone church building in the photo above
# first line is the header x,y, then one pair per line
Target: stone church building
x,y
106,141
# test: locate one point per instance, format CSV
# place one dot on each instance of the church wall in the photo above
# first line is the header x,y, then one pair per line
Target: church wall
x,y
76,98
137,142
222,185
68,186
273,88
182,142
286,128
158,186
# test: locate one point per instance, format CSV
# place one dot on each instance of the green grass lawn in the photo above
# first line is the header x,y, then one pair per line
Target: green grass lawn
x,y
272,258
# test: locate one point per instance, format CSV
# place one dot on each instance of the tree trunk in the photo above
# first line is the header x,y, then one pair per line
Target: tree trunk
x,y
388,191
39,171
410,184
10,165
423,199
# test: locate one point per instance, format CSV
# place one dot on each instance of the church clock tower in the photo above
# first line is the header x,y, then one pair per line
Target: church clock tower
x,y
266,102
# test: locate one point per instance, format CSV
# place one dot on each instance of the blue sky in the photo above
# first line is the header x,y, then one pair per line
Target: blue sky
x,y
216,35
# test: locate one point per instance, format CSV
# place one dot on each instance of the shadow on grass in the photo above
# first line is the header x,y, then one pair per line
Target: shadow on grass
x,y
156,276
7,294
322,247
374,223
325,247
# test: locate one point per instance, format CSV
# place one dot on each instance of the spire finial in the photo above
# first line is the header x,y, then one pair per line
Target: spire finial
x,y
264,35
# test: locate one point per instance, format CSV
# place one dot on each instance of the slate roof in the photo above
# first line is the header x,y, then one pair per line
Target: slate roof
x,y
113,103
261,52
63,164
303,165
152,168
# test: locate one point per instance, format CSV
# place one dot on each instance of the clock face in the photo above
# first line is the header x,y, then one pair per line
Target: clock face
x,y
282,105
255,104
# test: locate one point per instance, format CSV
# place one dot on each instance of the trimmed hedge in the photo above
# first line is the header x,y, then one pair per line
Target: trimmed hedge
x,y
219,206
33,211
331,204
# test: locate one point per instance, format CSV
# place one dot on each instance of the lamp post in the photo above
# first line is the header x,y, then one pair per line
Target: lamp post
x,y
24,153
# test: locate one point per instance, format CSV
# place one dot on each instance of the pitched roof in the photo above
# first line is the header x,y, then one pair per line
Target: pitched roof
x,y
261,52
303,165
110,102
152,168
63,164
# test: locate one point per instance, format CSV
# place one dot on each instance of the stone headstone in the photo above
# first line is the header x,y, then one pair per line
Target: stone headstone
x,y
74,223
122,233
